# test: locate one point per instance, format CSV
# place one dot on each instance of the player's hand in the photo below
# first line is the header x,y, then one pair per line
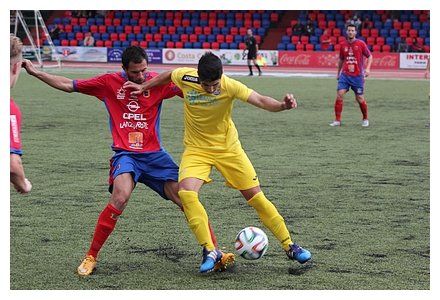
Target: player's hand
x,y
289,102
367,72
137,88
29,66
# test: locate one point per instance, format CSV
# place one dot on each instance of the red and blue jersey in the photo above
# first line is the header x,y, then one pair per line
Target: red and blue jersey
x,y
352,54
134,119
15,129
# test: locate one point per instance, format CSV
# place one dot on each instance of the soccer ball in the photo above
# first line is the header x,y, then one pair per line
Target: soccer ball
x,y
251,243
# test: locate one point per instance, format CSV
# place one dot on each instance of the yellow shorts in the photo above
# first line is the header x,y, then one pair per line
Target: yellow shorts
x,y
234,165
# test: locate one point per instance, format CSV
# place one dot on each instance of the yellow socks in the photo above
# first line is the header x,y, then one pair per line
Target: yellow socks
x,y
271,218
197,218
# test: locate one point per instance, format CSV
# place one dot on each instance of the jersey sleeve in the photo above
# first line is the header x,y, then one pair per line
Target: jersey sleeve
x,y
171,90
95,86
365,51
237,90
15,128
176,76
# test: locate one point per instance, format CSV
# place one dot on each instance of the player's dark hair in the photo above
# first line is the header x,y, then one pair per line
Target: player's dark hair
x,y
134,54
350,25
209,68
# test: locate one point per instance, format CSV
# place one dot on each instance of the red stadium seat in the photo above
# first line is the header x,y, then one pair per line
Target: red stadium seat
x,y
93,28
128,29
374,32
102,29
163,29
241,46
79,36
229,38
170,44
331,24
212,22
427,48
304,39
99,43
322,24
321,17
310,47
247,23
122,37
198,30
144,14
409,41
171,29
386,48
157,37
413,33
206,45
337,47
179,45
108,44
68,28
256,24
420,41
234,30
73,43
220,38
238,16
403,33
300,47
135,15
193,38
184,38
406,25
151,22
116,22
371,40
177,22
294,39
186,22
337,32
376,48
203,16
113,36
212,15
136,29
242,30
258,39
289,31
312,16
207,30
221,23
215,45
134,43
74,21
365,32
293,23
143,44
380,41
108,22
423,18
148,37
169,15
82,21
397,25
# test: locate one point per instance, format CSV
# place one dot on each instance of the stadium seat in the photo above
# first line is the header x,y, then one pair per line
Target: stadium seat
x,y
380,41
291,47
169,44
403,33
310,47
386,48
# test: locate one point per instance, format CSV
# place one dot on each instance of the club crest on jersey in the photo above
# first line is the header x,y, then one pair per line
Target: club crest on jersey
x,y
189,78
120,94
146,94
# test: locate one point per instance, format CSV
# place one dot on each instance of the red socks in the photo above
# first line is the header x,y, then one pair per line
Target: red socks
x,y
338,109
364,109
106,223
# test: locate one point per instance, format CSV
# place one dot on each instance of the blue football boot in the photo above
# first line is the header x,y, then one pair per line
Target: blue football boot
x,y
210,258
299,254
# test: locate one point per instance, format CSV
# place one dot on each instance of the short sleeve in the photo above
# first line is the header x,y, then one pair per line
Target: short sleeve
x,y
176,76
237,90
95,86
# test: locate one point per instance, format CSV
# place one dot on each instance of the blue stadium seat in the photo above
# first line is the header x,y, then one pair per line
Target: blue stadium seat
x,y
133,22
80,43
202,38
389,41
394,33
388,24
117,44
397,40
314,40
225,30
169,22
131,37
62,36
413,18
144,29
233,45
152,45
125,22
281,46
119,29
416,25
160,45
195,22
230,15
99,21
422,33
189,30
180,30
378,25
375,17
425,26
256,16
265,16
203,23
265,24
76,28
384,32
211,38
154,29
140,37
125,44
195,15
152,14
118,15
111,29
238,39
197,45
56,42
166,37
175,37
330,17
160,22
91,21
339,24
105,36
318,32
187,45
291,47
57,21
238,23
127,14
318,47
85,28
97,36
70,36
285,39
224,46
186,15
261,31
215,30
330,48
404,18
339,17
230,23
427,41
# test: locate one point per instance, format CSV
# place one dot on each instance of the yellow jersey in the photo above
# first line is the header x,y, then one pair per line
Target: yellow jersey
x,y
208,123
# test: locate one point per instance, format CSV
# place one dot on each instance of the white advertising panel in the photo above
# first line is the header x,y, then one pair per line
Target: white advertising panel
x,y
413,60
88,54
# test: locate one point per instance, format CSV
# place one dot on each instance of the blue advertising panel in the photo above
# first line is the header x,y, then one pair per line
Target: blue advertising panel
x,y
154,56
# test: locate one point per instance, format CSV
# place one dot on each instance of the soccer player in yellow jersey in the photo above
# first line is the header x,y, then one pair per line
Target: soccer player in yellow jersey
x,y
211,139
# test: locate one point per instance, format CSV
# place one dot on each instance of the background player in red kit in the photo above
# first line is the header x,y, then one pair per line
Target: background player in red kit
x,y
18,179
134,124
351,74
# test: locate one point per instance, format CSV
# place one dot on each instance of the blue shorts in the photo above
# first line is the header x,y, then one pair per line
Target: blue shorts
x,y
153,169
356,83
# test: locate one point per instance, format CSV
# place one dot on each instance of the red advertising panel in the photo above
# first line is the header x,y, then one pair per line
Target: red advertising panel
x,y
304,59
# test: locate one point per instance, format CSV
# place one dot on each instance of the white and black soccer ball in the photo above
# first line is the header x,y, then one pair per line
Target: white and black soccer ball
x,y
251,243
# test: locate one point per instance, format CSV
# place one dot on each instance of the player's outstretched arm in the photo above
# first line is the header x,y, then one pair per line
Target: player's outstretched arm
x,y
59,82
18,179
270,104
161,79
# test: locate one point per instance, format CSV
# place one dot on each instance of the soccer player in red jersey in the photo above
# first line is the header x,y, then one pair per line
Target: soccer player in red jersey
x,y
18,178
134,124
351,74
